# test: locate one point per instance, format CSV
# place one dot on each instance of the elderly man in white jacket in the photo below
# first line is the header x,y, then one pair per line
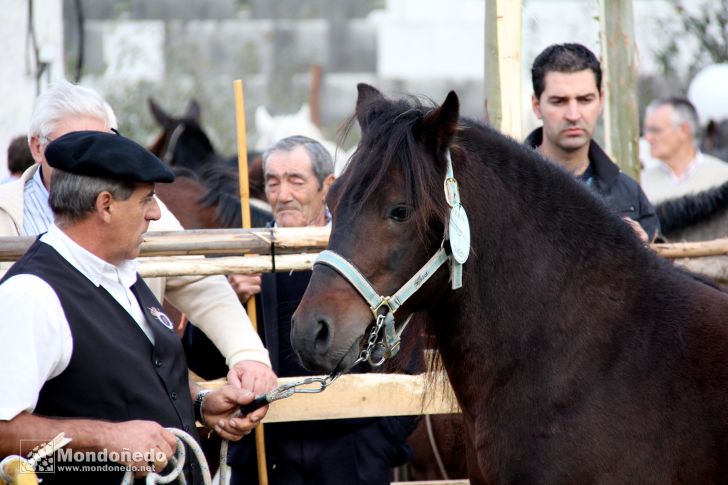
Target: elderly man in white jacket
x,y
208,301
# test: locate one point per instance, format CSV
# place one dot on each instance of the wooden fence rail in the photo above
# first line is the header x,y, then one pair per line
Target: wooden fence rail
x,y
293,240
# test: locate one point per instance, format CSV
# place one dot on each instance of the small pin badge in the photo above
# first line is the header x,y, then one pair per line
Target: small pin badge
x,y
162,317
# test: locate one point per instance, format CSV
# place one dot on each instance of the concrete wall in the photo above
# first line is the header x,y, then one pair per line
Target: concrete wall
x,y
19,70
174,50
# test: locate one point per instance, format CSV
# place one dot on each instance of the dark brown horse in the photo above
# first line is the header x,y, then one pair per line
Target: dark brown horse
x,y
206,193
577,355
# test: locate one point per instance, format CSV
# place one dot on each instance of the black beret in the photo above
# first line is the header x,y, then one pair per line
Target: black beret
x,y
106,155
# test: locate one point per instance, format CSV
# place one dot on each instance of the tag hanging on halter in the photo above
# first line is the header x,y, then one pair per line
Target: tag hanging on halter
x,y
459,234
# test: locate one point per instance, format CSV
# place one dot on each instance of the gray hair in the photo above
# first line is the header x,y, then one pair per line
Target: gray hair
x,y
321,161
72,197
65,100
683,111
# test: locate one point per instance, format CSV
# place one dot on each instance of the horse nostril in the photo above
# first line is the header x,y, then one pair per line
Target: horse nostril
x,y
322,341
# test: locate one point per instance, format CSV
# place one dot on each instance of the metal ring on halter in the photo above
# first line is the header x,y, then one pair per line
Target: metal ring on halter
x,y
384,303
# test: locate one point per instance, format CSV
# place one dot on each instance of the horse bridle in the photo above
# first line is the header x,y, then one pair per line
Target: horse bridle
x,y
168,155
455,248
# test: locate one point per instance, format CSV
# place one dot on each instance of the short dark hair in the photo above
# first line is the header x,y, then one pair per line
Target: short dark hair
x,y
19,156
563,58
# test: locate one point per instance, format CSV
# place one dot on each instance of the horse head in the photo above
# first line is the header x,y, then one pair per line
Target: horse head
x,y
182,143
389,198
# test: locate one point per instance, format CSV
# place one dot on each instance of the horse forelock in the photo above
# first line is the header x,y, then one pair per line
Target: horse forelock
x,y
389,147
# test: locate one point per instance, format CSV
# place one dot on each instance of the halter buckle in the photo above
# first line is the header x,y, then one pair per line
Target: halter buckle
x,y
383,303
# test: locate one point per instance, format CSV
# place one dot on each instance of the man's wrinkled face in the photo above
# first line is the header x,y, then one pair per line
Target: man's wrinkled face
x,y
293,190
569,107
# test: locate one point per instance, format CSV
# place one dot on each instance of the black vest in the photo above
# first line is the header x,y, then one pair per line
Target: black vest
x,y
115,373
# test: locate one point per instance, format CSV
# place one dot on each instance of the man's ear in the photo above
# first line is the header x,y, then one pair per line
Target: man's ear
x,y
536,106
104,203
684,128
601,100
35,149
327,185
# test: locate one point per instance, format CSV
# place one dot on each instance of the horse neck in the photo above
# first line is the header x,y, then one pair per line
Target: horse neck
x,y
535,277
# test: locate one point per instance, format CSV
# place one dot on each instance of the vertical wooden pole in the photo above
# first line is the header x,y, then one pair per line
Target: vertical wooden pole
x,y
620,69
503,64
314,98
245,205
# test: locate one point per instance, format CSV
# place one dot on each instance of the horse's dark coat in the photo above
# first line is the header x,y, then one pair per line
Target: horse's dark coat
x,y
576,354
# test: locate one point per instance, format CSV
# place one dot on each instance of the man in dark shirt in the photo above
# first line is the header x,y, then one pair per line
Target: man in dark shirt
x,y
568,98
298,172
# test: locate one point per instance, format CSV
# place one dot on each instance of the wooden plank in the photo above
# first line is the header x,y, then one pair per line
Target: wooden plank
x,y
363,395
207,242
186,265
716,247
509,20
620,72
503,65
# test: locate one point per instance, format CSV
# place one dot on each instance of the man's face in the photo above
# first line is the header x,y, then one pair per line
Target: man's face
x,y
293,190
569,107
664,137
130,220
66,125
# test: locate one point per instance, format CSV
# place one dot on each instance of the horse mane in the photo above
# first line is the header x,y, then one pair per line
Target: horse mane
x,y
690,209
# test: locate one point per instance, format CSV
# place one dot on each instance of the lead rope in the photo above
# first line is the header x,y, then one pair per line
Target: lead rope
x,y
178,460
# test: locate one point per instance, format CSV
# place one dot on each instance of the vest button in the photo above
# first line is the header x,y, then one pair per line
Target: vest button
x,y
186,427
173,394
157,363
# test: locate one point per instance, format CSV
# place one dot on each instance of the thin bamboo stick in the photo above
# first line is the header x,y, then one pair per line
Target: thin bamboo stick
x,y
245,206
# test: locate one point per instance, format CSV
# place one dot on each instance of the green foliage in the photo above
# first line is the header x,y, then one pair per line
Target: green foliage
x,y
700,35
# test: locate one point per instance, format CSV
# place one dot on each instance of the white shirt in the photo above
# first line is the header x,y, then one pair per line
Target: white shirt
x,y
37,213
37,337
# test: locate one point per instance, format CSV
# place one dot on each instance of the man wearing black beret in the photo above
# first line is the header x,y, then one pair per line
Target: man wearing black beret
x,y
208,301
115,375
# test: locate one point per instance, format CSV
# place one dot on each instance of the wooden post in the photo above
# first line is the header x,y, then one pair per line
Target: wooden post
x,y
619,80
245,205
314,100
503,20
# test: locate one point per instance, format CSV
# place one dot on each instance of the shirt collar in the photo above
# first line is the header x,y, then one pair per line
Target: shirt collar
x,y
90,265
604,169
689,171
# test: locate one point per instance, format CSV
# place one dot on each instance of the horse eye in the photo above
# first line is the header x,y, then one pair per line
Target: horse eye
x,y
399,213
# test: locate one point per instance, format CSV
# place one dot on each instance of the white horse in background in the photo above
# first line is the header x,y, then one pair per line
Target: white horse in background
x,y
270,129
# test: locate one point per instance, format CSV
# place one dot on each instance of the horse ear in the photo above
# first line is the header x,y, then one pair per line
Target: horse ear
x,y
439,125
158,113
367,94
193,110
